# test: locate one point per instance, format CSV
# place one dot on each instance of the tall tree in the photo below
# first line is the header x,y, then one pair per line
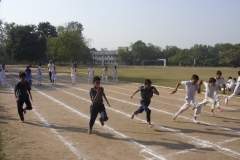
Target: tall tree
x,y
230,57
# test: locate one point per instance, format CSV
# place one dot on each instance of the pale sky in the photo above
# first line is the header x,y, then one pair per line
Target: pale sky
x,y
113,23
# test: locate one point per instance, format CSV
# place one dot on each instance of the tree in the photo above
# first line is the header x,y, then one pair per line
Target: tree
x,y
125,56
230,57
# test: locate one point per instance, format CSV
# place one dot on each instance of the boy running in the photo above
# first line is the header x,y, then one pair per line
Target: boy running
x,y
73,74
236,90
211,88
191,87
220,84
28,72
22,91
54,76
97,106
146,92
105,74
90,74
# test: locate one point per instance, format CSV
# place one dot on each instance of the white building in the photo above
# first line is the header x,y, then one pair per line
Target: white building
x,y
105,57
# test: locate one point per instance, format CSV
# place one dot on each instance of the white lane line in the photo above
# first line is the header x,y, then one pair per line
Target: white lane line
x,y
198,142
69,145
144,148
230,140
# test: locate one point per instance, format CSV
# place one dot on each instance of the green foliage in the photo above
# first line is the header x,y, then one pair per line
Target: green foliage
x,y
125,56
230,57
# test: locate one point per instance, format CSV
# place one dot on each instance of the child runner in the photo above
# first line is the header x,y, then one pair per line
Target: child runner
x,y
28,72
115,74
211,88
221,84
3,75
191,87
54,76
97,106
105,74
146,92
236,90
22,91
39,74
73,74
90,74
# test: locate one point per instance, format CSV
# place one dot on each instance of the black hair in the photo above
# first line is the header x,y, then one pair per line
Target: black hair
x,y
211,80
40,64
235,79
96,78
219,73
238,72
195,77
22,74
229,77
148,81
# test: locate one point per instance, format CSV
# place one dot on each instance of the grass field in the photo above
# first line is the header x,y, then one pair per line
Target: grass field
x,y
163,76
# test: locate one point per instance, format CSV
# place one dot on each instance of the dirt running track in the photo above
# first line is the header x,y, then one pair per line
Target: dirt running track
x,y
57,127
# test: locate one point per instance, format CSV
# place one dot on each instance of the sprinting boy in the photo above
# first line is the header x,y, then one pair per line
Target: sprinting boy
x,y
221,84
3,75
146,92
54,76
115,74
236,90
73,74
191,88
22,91
211,88
90,74
105,74
39,74
97,106
28,72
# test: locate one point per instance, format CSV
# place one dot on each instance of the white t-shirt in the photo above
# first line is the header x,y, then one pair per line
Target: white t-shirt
x,y
115,72
190,90
105,72
220,82
73,72
210,90
238,83
91,72
231,84
3,74
54,72
50,67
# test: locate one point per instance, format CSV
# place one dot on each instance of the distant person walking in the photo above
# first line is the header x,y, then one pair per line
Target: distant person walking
x,y
3,75
73,74
39,74
50,68
105,74
90,74
28,72
115,74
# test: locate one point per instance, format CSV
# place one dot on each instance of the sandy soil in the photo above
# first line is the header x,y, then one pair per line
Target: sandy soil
x,y
57,126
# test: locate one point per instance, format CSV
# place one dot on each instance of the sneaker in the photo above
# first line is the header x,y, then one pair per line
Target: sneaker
x,y
174,118
101,121
89,131
226,101
195,120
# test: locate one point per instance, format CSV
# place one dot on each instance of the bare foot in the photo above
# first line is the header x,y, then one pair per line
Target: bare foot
x,y
132,115
101,121
89,131
194,108
22,121
150,125
212,113
219,109
24,111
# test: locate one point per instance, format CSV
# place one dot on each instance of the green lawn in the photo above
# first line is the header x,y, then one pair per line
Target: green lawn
x,y
163,76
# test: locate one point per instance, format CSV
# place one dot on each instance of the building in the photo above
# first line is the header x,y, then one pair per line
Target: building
x,y
106,57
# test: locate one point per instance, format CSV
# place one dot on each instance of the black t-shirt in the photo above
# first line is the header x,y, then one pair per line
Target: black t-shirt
x,y
146,94
93,93
22,90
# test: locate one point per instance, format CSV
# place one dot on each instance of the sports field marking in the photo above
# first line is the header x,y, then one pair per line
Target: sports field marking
x,y
144,148
199,142
67,144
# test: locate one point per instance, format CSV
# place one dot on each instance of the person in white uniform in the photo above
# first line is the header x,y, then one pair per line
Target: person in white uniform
x,y
73,74
3,75
90,74
39,74
211,88
232,84
105,74
115,74
220,84
191,87
54,76
50,68
236,90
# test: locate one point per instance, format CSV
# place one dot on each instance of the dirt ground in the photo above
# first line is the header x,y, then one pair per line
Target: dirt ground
x,y
57,126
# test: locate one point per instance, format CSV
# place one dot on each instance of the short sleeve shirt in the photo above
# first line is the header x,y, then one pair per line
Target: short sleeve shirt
x,y
210,90
146,94
22,90
50,67
73,72
90,70
190,90
93,94
220,82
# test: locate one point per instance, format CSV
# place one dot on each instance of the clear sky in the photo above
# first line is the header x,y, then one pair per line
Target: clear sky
x,y
113,23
